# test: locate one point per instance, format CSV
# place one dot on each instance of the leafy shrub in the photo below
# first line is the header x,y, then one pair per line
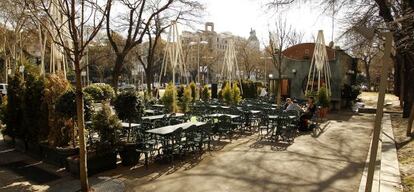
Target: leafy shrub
x,y
55,86
35,111
66,105
95,92
106,125
313,94
3,109
194,91
128,107
107,90
205,93
323,98
236,97
14,111
227,94
169,99
186,99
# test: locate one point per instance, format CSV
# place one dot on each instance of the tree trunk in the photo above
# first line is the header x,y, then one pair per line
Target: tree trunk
x,y
149,77
410,121
368,74
80,118
117,71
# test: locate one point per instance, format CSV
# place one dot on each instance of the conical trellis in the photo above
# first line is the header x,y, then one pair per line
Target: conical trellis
x,y
230,70
319,69
173,55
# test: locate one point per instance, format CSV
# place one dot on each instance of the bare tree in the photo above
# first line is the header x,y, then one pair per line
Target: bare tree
x,y
382,15
137,22
283,37
82,21
248,56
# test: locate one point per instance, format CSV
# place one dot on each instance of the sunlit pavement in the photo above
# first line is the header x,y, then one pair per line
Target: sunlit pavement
x,y
333,160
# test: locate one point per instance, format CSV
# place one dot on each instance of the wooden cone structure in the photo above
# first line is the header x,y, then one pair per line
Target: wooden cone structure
x,y
230,70
173,55
319,69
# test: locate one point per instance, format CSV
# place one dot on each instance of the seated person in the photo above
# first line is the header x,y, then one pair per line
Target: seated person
x,y
293,106
310,111
263,92
288,101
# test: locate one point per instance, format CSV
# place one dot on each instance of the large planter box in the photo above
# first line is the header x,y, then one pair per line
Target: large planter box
x,y
96,163
20,145
129,155
57,156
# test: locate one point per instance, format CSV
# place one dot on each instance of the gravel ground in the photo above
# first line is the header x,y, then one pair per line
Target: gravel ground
x,y
405,147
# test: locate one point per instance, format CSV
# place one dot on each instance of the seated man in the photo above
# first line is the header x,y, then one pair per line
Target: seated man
x,y
293,106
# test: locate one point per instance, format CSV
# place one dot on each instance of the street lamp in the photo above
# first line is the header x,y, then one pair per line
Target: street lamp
x,y
198,56
265,59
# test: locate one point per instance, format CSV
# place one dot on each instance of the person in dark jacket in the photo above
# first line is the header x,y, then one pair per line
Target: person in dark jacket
x,y
309,112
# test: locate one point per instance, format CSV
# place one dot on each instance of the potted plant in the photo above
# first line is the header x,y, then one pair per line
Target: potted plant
x,y
323,101
227,94
186,98
236,97
129,108
194,92
169,99
101,155
60,149
205,94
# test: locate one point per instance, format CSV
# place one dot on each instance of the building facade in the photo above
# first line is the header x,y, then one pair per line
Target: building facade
x,y
295,70
206,49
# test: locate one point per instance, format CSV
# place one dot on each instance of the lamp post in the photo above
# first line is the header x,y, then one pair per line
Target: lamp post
x,y
265,63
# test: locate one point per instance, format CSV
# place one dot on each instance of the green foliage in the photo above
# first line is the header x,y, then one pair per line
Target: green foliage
x,y
35,112
220,95
128,106
107,90
55,86
313,94
106,125
95,92
169,99
100,92
66,105
186,98
227,93
323,98
3,109
194,91
205,93
236,97
14,111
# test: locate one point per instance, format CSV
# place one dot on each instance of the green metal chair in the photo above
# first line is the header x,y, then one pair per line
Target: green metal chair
x,y
224,127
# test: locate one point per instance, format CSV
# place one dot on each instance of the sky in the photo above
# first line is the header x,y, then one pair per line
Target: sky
x,y
239,16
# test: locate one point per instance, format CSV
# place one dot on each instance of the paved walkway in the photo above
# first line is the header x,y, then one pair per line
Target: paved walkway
x,y
332,161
